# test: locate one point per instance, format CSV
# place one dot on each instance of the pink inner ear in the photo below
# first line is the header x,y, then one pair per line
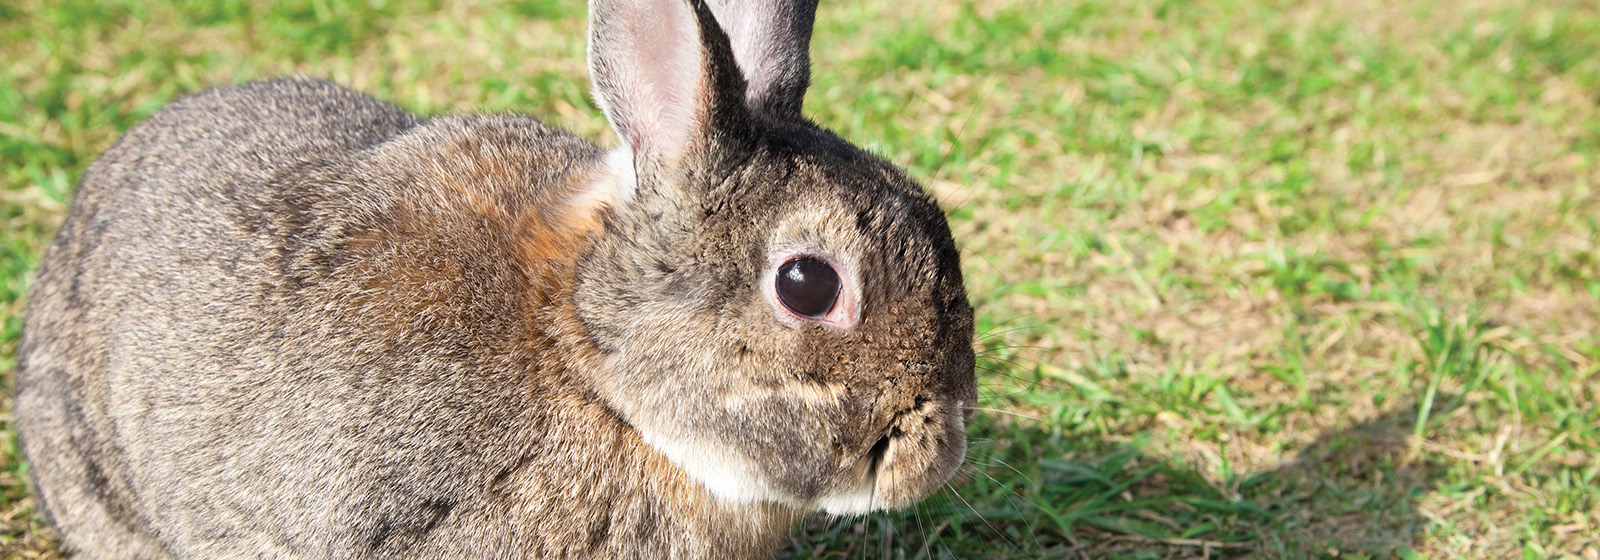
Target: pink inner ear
x,y
658,72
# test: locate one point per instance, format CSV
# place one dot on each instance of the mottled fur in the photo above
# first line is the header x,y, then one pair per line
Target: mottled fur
x,y
285,319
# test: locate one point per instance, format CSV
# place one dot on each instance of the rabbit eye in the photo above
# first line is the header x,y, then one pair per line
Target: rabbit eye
x,y
808,287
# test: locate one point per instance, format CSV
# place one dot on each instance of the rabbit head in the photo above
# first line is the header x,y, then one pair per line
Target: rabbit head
x,y
778,312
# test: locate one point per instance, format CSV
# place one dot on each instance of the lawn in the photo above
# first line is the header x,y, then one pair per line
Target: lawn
x,y
1255,278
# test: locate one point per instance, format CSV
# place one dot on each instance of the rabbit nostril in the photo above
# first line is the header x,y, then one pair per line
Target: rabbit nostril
x,y
966,413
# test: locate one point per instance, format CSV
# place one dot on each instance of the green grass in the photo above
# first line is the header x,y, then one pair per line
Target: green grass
x,y
1255,278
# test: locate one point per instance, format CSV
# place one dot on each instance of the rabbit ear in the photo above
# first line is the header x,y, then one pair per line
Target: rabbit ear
x,y
664,75
771,40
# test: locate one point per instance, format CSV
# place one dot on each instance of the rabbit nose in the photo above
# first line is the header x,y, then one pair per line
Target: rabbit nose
x,y
966,413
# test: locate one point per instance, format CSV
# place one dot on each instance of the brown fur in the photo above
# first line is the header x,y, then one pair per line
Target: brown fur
x,y
285,319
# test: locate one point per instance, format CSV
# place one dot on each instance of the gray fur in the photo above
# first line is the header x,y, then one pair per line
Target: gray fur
x,y
285,319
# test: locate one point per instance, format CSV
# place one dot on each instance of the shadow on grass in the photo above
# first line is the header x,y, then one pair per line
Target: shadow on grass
x,y
1033,492
1351,492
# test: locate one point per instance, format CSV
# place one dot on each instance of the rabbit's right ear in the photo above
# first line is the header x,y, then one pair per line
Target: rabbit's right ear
x,y
665,76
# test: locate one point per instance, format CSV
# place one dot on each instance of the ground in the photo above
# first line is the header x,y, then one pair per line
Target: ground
x,y
1255,278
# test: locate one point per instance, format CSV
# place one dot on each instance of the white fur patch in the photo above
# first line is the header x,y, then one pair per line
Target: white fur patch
x,y
855,501
725,475
618,177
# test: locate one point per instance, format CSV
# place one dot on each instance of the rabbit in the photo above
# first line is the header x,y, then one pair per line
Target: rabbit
x,y
286,319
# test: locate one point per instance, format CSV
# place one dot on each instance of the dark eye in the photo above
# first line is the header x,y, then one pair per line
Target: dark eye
x,y
808,287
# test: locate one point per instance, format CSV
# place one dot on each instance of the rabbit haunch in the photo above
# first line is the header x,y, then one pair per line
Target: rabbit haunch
x,y
545,230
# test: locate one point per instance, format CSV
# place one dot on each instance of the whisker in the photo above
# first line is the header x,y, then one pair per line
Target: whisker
x,y
887,543
998,387
983,170
986,260
997,359
1030,382
1012,320
1001,398
1002,373
963,131
997,332
996,349
1007,361
980,516
1013,469
916,513
1025,520
996,410
992,391
984,441
1000,381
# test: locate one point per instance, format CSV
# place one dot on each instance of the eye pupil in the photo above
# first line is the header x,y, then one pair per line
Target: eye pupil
x,y
808,287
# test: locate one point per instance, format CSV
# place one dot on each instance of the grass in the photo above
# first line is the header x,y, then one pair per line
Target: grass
x,y
1255,278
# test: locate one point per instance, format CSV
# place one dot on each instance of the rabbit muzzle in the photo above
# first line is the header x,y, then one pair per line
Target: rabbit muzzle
x,y
917,451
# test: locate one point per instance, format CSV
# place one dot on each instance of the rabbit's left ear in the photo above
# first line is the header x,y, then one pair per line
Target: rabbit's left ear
x,y
666,78
771,40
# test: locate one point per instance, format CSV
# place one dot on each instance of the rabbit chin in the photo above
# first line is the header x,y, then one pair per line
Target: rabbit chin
x,y
725,474
732,478
854,501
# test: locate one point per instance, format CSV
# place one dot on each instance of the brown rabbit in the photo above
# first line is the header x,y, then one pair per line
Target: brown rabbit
x,y
285,319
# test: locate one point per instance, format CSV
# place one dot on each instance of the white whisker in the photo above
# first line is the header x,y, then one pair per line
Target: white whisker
x,y
998,411
980,516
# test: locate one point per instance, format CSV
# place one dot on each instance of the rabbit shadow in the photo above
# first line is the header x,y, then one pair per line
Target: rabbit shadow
x,y
1352,490
1031,491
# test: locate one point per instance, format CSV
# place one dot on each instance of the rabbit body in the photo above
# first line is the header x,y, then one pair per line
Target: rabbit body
x,y
245,360
285,319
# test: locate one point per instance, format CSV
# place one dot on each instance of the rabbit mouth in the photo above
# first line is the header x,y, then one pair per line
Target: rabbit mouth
x,y
876,454
913,458
859,498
